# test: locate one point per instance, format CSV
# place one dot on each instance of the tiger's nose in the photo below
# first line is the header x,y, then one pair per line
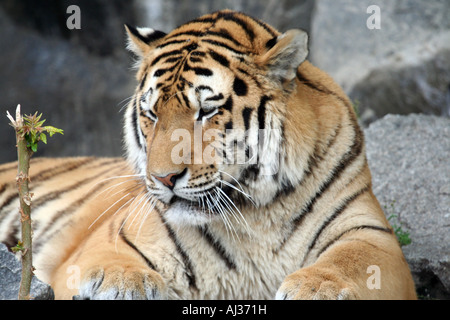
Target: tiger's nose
x,y
170,179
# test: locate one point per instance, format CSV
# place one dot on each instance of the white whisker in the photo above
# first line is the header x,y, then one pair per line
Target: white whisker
x,y
223,214
130,189
125,102
140,211
228,200
133,177
242,192
101,215
128,217
150,208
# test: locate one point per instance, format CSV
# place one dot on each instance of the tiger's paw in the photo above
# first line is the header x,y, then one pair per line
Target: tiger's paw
x,y
120,283
314,284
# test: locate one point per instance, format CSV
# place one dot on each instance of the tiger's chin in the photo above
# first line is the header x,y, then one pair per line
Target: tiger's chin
x,y
183,212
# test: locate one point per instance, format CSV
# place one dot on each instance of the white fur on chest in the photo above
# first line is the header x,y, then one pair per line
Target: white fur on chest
x,y
257,271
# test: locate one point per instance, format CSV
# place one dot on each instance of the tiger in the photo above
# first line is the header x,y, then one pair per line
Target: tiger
x,y
244,177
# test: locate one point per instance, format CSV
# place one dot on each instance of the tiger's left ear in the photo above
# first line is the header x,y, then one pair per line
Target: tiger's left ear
x,y
285,53
142,40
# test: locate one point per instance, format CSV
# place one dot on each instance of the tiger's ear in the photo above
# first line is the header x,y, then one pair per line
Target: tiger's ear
x,y
142,40
285,53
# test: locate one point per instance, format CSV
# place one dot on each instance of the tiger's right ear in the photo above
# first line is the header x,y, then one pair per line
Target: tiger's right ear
x,y
142,40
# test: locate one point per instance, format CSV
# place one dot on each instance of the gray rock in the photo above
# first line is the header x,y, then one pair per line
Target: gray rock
x,y
10,274
76,90
409,157
403,67
166,15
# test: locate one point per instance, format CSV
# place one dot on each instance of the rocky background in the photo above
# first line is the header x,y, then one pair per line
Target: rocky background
x,y
80,80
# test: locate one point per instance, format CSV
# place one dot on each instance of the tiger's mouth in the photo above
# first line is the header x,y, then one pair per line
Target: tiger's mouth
x,y
211,201
210,206
182,202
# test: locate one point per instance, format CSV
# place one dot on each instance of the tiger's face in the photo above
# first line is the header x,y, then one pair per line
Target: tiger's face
x,y
204,129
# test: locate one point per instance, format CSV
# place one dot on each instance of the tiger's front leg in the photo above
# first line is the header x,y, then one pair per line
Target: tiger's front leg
x,y
107,270
361,265
118,282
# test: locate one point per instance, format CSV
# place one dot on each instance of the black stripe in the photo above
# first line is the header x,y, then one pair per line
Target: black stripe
x,y
53,171
161,72
198,54
225,35
313,160
13,165
180,103
344,162
239,87
190,47
168,43
228,105
135,124
262,112
174,59
353,152
44,175
229,125
202,71
246,113
215,98
186,260
250,173
333,138
376,228
218,247
223,45
219,58
49,230
56,194
336,213
184,33
309,84
128,242
315,157
185,99
222,33
3,187
266,27
13,236
164,55
231,16
285,189
195,60
321,88
8,167
271,43
141,85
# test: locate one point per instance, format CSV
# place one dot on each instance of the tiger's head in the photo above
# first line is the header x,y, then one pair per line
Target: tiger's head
x,y
205,126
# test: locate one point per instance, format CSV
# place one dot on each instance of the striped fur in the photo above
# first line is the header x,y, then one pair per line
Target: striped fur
x,y
300,222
